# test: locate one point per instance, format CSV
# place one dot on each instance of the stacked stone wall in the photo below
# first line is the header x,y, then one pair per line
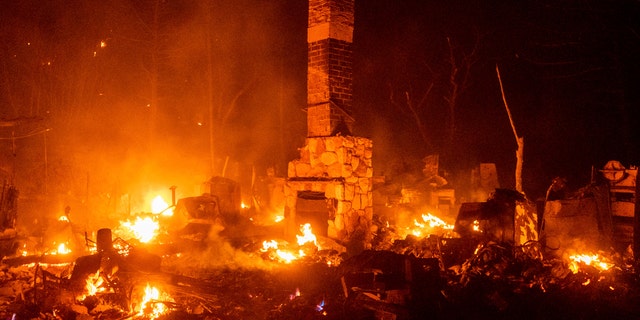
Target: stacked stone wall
x,y
342,168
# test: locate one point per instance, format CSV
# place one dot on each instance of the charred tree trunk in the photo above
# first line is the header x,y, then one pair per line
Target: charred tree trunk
x,y
636,223
519,140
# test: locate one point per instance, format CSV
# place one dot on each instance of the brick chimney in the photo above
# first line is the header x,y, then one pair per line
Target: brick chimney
x,y
329,74
331,185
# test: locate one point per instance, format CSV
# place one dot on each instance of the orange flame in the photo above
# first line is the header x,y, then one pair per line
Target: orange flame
x,y
427,224
307,235
151,305
62,249
143,229
94,284
159,206
588,259
287,256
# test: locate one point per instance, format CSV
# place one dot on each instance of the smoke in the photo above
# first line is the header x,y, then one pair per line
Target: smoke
x,y
132,106
217,253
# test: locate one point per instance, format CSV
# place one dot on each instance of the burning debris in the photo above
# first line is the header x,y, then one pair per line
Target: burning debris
x,y
462,269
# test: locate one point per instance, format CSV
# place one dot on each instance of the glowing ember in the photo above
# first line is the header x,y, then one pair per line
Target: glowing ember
x,y
279,218
593,260
143,229
63,219
152,305
476,226
159,206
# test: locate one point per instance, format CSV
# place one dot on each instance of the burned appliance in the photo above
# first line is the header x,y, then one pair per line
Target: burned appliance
x,y
507,216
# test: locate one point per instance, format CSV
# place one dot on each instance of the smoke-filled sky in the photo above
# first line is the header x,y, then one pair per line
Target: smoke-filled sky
x,y
142,90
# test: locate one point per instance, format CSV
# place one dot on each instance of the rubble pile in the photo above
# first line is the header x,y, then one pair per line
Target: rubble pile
x,y
490,263
497,281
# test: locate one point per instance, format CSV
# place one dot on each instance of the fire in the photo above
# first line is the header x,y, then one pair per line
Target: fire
x,y
307,235
93,285
588,259
152,304
428,221
281,255
287,256
62,249
143,229
279,218
159,206
434,222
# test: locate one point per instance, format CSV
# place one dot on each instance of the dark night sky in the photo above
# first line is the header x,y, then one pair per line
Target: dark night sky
x,y
569,69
